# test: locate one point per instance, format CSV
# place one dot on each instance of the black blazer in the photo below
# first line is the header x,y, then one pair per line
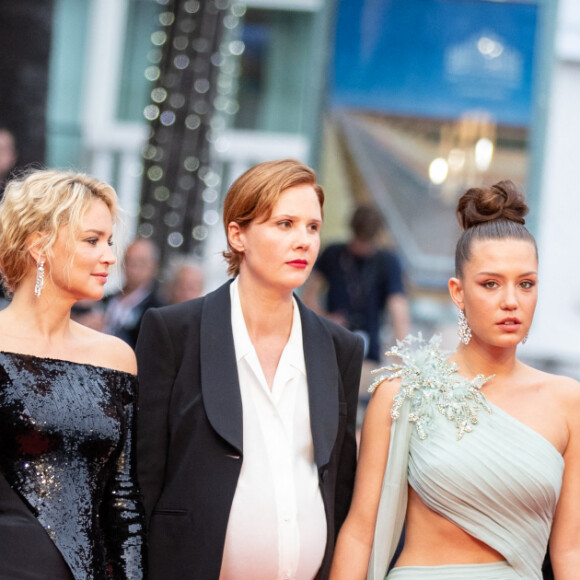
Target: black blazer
x,y
190,429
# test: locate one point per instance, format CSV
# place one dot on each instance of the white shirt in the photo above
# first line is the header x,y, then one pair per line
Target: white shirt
x,y
277,524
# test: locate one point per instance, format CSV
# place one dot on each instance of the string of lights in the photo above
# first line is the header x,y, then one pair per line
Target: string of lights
x,y
194,67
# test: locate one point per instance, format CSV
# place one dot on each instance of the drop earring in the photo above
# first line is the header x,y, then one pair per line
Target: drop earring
x,y
463,331
39,278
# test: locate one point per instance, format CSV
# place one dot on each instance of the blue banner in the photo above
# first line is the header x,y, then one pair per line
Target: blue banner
x,y
436,58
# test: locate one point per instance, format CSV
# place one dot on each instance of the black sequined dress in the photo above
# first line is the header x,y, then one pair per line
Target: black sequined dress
x,y
69,504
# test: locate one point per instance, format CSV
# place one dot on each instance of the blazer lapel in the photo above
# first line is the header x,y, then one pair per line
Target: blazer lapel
x,y
219,374
323,380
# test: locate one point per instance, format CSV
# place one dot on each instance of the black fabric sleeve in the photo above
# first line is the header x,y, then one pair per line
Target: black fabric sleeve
x,y
156,370
124,514
350,359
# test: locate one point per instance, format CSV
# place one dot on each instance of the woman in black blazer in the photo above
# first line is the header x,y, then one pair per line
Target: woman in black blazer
x,y
205,402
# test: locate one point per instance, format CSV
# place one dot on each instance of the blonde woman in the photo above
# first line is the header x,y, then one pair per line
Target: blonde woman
x,y
69,503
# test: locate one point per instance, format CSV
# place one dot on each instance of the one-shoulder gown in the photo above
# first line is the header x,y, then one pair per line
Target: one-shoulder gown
x,y
69,504
472,463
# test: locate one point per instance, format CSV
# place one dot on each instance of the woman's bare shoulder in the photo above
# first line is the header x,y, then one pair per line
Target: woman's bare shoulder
x,y
567,390
109,351
563,389
561,385
382,400
566,393
385,390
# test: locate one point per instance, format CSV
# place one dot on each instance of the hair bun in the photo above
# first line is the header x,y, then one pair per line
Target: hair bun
x,y
501,201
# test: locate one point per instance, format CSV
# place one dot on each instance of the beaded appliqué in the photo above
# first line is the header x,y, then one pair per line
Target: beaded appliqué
x,y
431,382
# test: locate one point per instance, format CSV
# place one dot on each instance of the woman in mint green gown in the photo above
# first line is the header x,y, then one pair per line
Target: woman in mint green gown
x,y
476,453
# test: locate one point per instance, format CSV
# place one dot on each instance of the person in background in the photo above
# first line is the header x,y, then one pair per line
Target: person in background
x,y
90,313
184,280
248,400
125,309
475,451
360,279
70,506
8,156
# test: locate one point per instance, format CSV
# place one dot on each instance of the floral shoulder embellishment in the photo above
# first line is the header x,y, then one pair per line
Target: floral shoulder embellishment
x,y
432,383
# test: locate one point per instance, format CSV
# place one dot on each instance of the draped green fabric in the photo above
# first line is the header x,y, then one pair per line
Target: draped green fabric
x,y
494,477
493,571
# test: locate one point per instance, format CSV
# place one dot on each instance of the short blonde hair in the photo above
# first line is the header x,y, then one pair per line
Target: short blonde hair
x,y
253,196
44,201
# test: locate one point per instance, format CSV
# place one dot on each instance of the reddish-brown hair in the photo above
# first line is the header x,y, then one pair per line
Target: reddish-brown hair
x,y
254,194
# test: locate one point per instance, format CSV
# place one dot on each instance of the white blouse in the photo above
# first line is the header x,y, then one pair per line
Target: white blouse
x,y
277,524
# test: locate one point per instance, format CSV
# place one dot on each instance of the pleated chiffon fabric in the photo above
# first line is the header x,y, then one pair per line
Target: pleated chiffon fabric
x,y
492,571
473,463
499,483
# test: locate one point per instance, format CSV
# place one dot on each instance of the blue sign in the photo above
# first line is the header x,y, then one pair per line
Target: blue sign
x,y
436,58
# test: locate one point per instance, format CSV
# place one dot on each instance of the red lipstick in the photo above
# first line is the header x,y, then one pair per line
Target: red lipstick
x,y
298,263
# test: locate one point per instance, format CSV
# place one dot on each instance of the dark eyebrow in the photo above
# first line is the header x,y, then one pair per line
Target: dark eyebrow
x,y
530,273
292,217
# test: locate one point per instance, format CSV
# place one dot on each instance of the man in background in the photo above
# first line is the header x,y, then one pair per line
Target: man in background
x,y
355,282
8,156
183,281
361,280
125,309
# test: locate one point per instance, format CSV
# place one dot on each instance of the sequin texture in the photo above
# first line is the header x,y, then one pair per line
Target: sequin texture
x,y
432,383
67,450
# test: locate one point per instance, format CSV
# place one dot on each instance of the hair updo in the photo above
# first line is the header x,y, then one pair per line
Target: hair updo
x,y
490,213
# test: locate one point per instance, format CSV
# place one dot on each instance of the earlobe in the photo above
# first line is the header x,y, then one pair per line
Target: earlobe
x,y
456,292
33,244
235,237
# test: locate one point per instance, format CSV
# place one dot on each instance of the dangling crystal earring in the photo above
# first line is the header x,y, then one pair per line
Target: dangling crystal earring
x,y
39,278
463,331
525,339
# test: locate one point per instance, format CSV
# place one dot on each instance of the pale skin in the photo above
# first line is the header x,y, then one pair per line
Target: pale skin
x,y
277,256
498,292
187,284
140,265
41,326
